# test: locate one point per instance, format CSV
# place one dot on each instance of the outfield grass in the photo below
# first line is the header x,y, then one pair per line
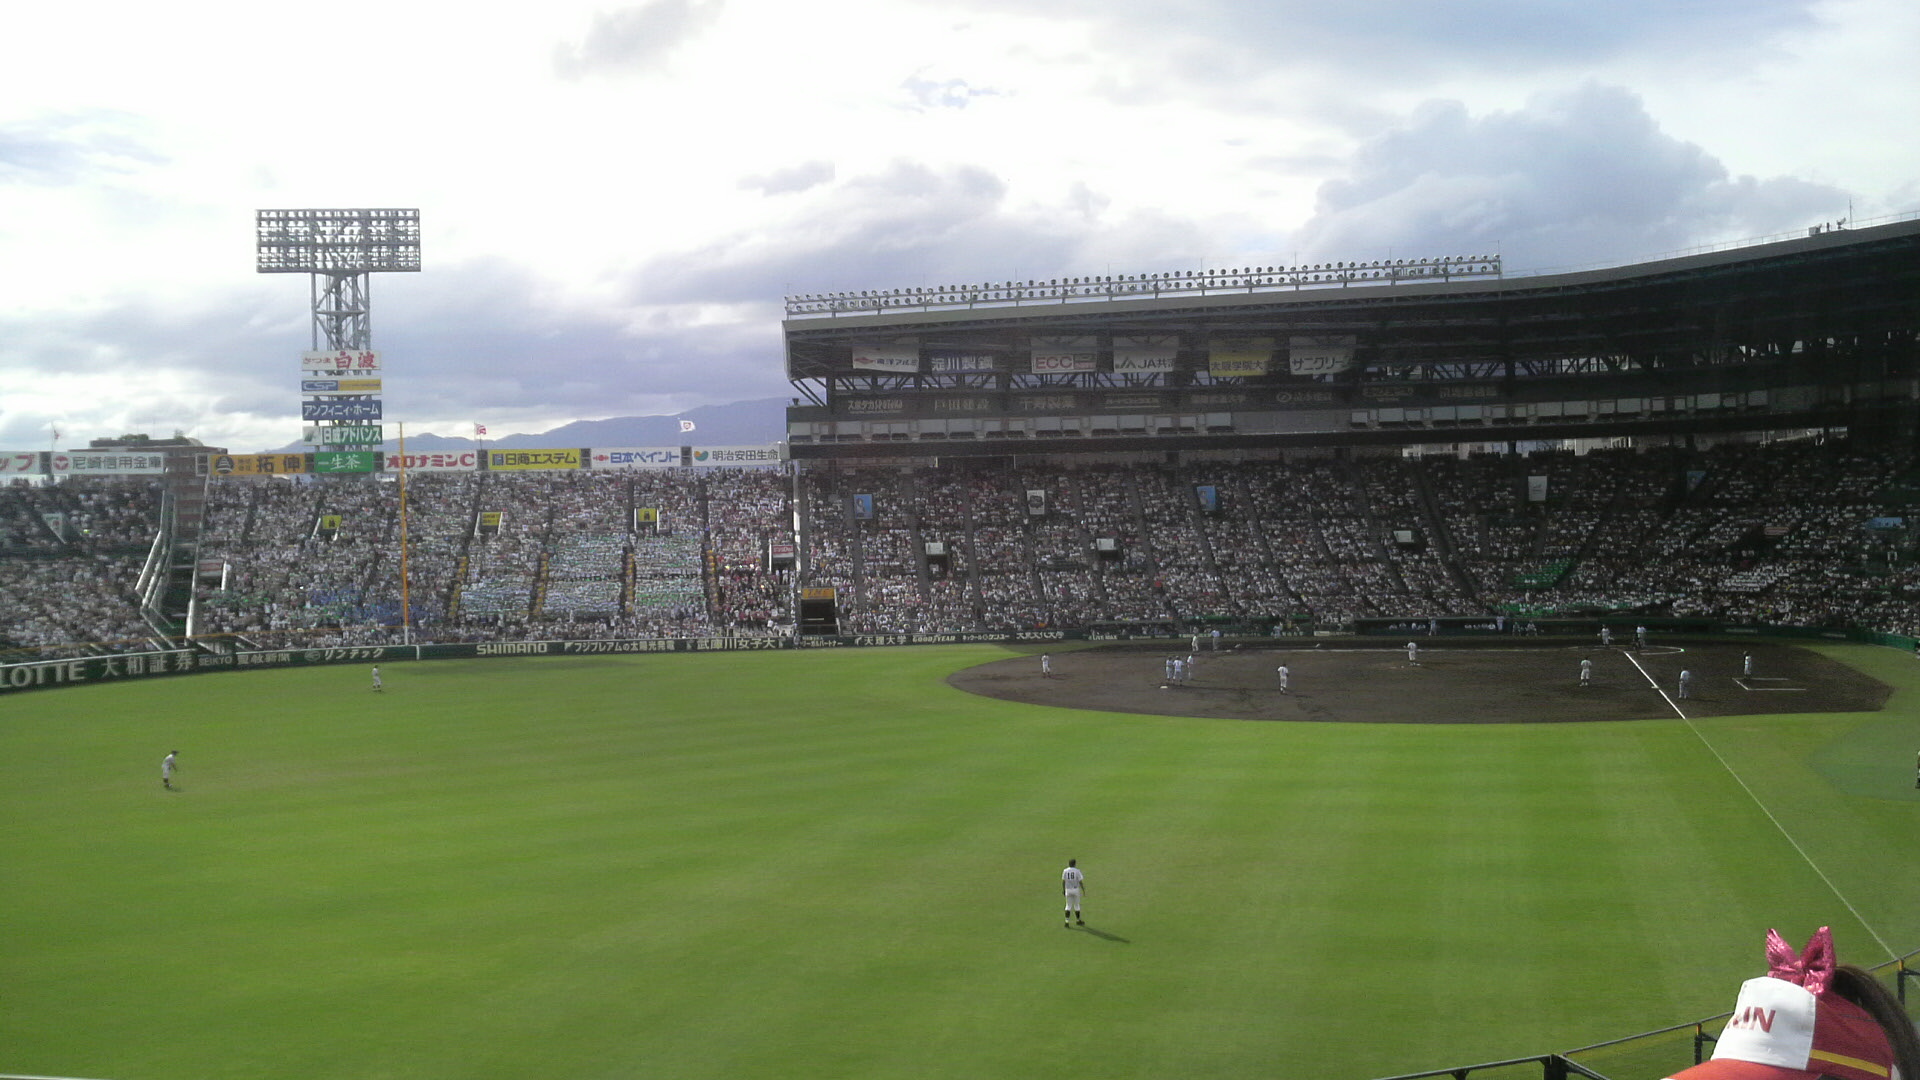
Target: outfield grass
x,y
834,865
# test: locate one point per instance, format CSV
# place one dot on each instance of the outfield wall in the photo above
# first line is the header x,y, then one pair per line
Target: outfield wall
x,y
121,667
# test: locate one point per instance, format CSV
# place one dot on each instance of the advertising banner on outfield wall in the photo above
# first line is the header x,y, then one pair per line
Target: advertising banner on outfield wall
x,y
1239,357
449,461
261,464
900,359
340,360
346,461
736,456
634,457
532,460
1323,354
1052,355
1144,354
50,673
21,463
106,463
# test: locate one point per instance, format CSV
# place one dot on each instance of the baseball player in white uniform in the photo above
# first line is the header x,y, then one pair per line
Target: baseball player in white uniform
x,y
376,676
167,765
1586,673
1413,653
1073,883
1284,675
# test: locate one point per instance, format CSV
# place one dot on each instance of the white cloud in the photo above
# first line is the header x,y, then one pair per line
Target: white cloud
x,y
623,192
1584,176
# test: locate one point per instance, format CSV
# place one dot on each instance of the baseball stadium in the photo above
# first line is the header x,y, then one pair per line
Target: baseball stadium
x,y
1433,671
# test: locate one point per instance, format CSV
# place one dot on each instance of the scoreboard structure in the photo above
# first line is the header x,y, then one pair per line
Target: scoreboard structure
x,y
340,379
1820,330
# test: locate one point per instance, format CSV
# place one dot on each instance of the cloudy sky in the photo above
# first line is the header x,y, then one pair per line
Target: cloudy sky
x,y
615,198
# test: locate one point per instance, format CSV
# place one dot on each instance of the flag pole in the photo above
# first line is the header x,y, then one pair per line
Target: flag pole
x,y
406,602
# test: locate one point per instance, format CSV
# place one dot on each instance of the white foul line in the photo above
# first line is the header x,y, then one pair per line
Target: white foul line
x,y
1655,683
1691,726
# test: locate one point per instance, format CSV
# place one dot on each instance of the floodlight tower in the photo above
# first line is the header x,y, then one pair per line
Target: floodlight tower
x,y
341,250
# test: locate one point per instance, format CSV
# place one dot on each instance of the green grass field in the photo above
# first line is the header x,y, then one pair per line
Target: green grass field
x,y
831,864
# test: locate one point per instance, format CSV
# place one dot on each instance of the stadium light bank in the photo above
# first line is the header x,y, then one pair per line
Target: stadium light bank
x,y
1338,275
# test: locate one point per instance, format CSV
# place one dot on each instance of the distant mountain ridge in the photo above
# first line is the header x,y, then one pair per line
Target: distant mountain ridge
x,y
741,423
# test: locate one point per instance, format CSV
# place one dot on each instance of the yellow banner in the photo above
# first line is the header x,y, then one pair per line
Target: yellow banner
x,y
501,460
359,386
1231,357
817,593
259,464
646,515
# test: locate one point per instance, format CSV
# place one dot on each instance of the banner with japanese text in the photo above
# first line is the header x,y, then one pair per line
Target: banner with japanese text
x,y
444,461
1323,354
107,463
900,359
1144,353
734,456
1239,357
261,464
634,457
1058,354
340,360
531,460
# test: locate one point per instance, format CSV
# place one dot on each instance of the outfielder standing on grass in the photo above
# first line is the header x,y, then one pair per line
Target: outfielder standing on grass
x,y
167,765
1073,883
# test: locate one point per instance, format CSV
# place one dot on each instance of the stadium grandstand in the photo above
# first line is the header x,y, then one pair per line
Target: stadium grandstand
x,y
1726,435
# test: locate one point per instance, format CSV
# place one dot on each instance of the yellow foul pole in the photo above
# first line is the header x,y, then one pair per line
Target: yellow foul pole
x,y
406,603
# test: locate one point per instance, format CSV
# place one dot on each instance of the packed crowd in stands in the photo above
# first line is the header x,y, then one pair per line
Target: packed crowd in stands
x,y
1802,532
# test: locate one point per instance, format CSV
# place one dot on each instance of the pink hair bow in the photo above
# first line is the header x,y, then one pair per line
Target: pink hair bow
x,y
1811,967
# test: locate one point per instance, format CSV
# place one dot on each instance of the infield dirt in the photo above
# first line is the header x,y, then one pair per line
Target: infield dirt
x,y
1463,681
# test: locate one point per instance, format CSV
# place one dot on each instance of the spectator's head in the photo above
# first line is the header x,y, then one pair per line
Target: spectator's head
x,y
1809,1018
